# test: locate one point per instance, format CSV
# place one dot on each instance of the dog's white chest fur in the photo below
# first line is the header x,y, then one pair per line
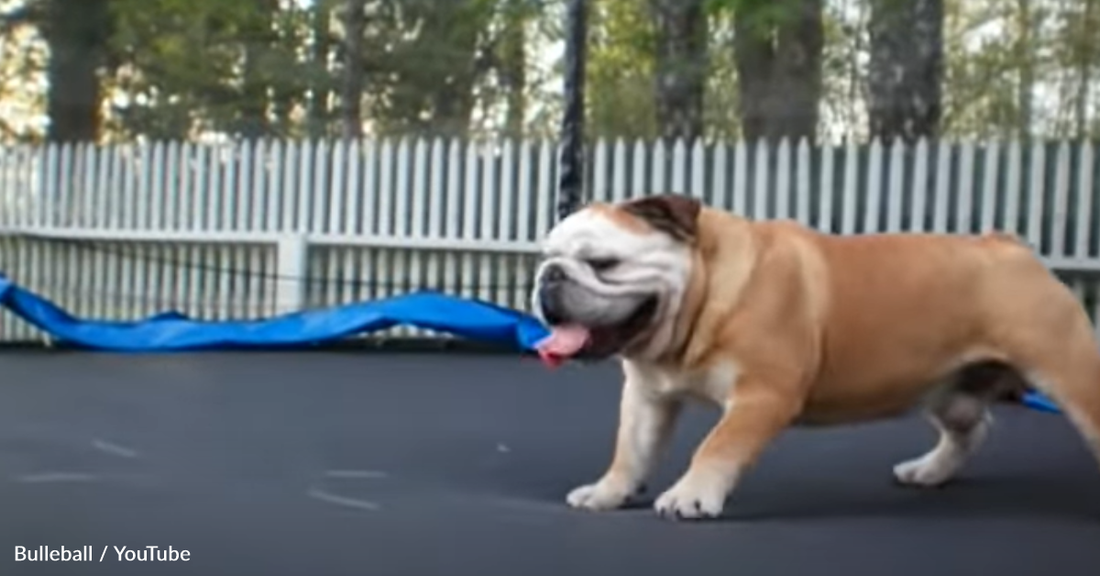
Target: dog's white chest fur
x,y
713,384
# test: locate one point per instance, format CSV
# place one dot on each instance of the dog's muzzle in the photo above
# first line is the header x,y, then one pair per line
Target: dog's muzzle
x,y
551,282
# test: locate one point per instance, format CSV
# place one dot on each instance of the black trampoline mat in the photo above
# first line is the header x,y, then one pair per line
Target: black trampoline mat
x,y
332,464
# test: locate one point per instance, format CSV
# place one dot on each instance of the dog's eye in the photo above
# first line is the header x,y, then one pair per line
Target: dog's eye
x,y
602,264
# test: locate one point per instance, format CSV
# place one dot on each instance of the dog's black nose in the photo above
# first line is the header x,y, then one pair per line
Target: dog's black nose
x,y
551,282
552,312
553,274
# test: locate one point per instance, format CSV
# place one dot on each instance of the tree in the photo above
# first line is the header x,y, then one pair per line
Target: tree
x,y
351,95
247,80
320,83
429,57
905,73
76,34
680,66
778,47
1026,84
512,64
1085,57
619,73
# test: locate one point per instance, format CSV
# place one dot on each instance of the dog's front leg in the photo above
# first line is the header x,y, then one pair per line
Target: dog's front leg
x,y
752,419
646,420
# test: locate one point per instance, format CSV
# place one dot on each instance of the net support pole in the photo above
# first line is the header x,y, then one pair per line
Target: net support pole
x,y
571,178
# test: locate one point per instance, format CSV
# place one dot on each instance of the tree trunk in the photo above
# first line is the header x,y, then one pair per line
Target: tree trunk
x,y
1085,54
514,68
452,99
680,75
905,73
317,107
1024,100
259,39
253,122
76,33
351,96
778,51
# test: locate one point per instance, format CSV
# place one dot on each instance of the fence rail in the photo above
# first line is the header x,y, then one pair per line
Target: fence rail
x,y
251,229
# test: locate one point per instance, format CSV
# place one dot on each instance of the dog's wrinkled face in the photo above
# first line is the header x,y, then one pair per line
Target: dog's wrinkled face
x,y
613,275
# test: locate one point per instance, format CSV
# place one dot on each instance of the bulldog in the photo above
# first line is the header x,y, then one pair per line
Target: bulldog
x,y
780,325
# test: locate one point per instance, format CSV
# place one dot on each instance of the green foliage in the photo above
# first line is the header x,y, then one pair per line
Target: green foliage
x,y
428,57
181,65
178,68
620,70
763,15
720,99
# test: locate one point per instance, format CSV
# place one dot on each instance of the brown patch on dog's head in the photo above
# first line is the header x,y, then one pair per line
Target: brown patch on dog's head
x,y
673,214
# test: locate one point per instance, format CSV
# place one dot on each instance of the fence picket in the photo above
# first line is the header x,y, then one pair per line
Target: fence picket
x,y
255,280
33,161
51,189
545,210
239,196
639,184
600,164
484,196
8,192
761,193
1014,187
782,191
679,168
300,188
157,192
942,206
455,212
698,187
506,222
895,187
826,195
965,190
989,187
1035,190
1085,194
804,167
848,209
658,177
469,220
130,278
1060,210
438,203
874,193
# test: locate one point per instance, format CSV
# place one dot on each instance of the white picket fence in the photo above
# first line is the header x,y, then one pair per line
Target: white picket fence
x,y
253,229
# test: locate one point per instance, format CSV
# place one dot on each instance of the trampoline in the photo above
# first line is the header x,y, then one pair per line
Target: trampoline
x,y
348,463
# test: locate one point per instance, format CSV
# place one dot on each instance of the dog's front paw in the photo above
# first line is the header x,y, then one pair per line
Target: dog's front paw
x,y
602,495
924,472
693,497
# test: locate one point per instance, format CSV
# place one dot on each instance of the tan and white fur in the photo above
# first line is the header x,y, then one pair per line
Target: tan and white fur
x,y
780,325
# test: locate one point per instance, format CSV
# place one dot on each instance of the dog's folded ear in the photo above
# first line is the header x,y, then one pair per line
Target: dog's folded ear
x,y
674,214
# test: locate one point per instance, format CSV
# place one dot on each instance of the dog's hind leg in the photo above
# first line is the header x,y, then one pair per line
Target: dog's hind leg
x,y
1068,372
963,421
1051,343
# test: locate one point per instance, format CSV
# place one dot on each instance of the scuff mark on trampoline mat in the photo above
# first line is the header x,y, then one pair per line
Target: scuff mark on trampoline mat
x,y
341,500
113,449
45,477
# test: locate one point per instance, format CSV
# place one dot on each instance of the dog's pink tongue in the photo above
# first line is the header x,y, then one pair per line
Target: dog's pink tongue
x,y
563,343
